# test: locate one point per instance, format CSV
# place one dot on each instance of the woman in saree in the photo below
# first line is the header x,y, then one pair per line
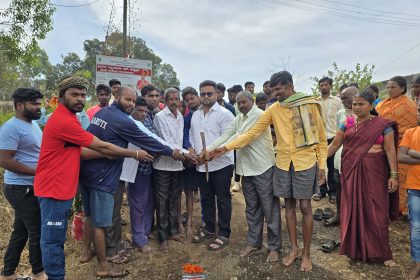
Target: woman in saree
x,y
399,108
368,175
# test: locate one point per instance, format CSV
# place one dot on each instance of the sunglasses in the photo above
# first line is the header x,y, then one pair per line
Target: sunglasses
x,y
208,94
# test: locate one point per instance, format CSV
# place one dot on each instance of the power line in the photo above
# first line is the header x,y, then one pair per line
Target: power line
x,y
75,6
330,11
369,9
398,57
358,12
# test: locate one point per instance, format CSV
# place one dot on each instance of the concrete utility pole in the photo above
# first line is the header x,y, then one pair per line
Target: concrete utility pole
x,y
125,29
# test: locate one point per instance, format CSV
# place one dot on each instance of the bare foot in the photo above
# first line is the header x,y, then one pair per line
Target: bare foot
x,y
414,273
273,256
190,231
177,237
181,228
164,247
86,256
145,249
247,250
291,257
40,276
389,263
306,264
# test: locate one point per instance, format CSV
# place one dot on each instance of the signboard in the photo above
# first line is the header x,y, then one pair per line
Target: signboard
x,y
130,72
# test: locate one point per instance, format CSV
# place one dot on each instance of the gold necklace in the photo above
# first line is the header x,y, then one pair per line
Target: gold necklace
x,y
357,122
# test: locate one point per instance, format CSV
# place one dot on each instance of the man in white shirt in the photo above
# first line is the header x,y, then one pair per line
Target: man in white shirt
x,y
255,163
330,105
213,120
169,124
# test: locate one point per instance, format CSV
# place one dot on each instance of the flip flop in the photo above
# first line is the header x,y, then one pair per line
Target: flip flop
x,y
201,236
332,221
119,259
220,241
327,213
316,197
318,214
329,246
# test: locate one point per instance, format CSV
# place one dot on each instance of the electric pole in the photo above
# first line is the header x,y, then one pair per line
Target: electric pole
x,y
125,29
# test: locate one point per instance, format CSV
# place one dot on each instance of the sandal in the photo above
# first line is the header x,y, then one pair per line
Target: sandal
x,y
329,246
316,197
119,258
220,241
333,199
201,236
332,221
318,214
113,273
327,213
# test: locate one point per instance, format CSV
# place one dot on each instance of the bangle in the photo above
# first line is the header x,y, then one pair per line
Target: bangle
x,y
137,154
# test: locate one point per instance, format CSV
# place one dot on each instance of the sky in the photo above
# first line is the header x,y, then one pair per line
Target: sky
x,y
248,40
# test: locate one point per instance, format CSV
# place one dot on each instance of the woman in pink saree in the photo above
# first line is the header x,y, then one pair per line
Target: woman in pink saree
x,y
368,175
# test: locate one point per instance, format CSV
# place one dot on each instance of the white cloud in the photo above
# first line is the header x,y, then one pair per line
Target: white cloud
x,y
239,40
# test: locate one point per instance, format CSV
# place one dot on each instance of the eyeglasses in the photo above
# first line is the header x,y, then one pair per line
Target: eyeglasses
x,y
204,94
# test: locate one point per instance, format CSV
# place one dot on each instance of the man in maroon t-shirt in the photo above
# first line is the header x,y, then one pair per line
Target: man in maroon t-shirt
x,y
57,173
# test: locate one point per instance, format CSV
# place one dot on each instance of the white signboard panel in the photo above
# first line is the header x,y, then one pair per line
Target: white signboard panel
x,y
131,72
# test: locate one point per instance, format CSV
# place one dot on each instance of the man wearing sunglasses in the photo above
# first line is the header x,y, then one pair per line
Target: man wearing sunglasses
x,y
213,120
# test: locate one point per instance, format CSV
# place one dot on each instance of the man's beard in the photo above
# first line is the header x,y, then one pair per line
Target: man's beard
x,y
32,115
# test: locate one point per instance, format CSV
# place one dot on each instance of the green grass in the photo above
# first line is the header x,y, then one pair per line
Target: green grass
x,y
5,116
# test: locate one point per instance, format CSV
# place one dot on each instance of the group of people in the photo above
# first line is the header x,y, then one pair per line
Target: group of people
x,y
155,145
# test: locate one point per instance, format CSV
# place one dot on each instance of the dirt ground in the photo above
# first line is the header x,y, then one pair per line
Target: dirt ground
x,y
227,264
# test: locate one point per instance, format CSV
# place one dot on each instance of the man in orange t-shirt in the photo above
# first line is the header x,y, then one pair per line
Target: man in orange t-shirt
x,y
409,153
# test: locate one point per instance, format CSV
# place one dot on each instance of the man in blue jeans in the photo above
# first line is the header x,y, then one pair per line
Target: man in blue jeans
x,y
409,153
20,142
57,173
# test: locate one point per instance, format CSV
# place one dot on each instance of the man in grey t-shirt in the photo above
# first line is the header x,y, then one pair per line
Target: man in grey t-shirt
x,y
20,143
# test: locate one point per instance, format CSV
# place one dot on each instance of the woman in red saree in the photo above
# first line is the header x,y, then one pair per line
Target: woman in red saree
x,y
402,110
368,175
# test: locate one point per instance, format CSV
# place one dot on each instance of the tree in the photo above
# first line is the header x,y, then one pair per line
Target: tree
x,y
163,75
22,24
361,75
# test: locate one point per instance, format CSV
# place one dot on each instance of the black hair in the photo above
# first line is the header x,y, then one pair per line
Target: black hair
x,y
416,80
373,88
343,87
249,83
356,85
147,89
266,82
261,97
188,90
140,101
114,82
103,87
26,95
221,87
207,83
326,79
281,78
236,89
402,83
366,95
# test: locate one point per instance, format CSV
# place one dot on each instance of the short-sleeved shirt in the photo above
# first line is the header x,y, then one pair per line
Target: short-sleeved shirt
x,y
24,138
92,111
57,173
411,140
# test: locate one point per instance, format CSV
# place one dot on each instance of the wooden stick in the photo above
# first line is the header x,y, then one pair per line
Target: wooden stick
x,y
206,164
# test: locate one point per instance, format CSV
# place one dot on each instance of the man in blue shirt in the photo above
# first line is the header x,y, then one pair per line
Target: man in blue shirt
x,y
99,178
20,143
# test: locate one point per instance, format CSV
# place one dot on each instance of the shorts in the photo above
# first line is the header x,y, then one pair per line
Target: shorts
x,y
295,184
98,205
189,179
